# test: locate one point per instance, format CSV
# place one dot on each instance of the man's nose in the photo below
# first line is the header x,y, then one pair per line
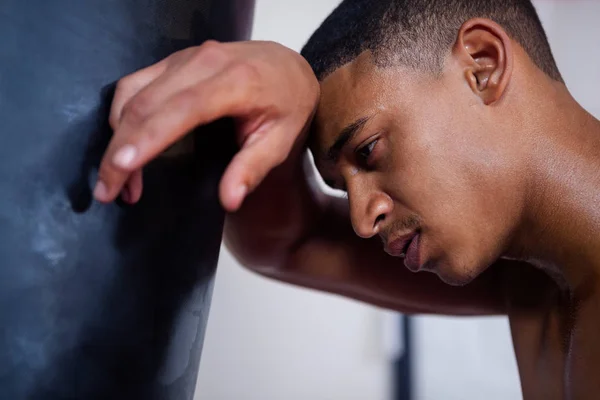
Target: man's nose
x,y
368,212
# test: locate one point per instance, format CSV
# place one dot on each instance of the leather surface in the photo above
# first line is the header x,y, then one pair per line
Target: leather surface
x,y
102,301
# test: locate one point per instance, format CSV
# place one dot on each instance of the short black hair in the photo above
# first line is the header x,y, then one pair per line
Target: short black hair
x,y
419,33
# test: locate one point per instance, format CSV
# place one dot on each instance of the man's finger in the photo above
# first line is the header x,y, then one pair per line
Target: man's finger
x,y
135,143
131,85
154,85
103,192
261,153
153,97
132,191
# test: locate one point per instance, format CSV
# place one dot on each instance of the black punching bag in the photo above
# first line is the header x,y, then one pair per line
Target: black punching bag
x,y
102,301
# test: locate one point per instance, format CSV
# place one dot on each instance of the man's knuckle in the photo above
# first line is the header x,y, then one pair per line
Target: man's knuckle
x,y
137,110
210,52
125,84
209,44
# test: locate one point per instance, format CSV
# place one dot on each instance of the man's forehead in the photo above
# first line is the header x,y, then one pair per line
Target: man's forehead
x,y
346,95
348,85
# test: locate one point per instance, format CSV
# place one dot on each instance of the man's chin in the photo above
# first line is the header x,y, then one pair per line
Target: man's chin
x,y
454,278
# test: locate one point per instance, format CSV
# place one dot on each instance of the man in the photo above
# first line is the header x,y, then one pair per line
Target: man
x,y
448,125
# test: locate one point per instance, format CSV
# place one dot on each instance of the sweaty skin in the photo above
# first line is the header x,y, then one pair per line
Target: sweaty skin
x,y
491,163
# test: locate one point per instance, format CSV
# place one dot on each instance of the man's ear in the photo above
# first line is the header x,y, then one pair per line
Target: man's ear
x,y
485,52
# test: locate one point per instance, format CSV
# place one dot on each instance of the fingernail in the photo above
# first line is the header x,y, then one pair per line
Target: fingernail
x,y
241,192
100,191
125,156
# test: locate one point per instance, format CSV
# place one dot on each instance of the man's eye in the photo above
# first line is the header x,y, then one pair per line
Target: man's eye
x,y
365,151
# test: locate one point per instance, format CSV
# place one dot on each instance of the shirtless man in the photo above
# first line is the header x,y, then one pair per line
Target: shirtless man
x,y
449,126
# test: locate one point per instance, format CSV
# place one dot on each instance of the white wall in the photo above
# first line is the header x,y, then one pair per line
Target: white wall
x,y
472,359
270,341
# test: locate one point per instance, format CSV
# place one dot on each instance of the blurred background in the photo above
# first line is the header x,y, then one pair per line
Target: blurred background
x,y
271,341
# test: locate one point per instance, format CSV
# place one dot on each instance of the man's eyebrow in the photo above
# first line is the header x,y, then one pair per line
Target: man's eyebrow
x,y
344,137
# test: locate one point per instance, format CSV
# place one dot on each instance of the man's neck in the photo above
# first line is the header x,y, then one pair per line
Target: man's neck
x,y
560,231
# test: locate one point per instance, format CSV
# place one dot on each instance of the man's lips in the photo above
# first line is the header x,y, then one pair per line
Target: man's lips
x,y
406,246
398,246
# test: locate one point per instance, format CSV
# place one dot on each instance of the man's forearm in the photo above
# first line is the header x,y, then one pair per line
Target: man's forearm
x,y
276,216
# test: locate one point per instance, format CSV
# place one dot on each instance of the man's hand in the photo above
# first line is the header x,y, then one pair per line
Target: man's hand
x,y
269,89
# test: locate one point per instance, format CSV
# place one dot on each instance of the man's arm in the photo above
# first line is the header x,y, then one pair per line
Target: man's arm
x,y
284,232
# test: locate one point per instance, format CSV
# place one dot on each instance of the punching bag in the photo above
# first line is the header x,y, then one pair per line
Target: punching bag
x,y
102,301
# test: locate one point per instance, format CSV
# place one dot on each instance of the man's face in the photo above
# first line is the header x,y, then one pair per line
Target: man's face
x,y
425,163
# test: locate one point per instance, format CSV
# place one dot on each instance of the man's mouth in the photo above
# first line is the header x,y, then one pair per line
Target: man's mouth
x,y
407,247
398,246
